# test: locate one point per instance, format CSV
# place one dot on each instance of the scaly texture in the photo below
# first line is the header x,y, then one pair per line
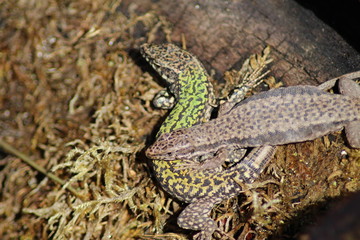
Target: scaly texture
x,y
275,117
190,85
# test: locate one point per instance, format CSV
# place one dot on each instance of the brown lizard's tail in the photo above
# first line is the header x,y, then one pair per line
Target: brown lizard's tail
x,y
352,129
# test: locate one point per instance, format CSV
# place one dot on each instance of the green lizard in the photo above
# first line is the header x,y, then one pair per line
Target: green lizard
x,y
189,83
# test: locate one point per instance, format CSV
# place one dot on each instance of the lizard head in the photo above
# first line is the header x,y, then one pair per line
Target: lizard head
x,y
170,61
169,147
167,59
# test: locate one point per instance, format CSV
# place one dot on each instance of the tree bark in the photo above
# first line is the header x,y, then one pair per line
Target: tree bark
x,y
224,33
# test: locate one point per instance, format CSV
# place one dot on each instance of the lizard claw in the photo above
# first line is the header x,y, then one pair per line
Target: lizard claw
x,y
202,236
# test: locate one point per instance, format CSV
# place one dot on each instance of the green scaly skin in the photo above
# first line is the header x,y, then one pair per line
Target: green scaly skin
x,y
190,85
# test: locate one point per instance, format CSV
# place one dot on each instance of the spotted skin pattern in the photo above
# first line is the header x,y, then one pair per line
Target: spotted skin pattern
x,y
275,117
189,83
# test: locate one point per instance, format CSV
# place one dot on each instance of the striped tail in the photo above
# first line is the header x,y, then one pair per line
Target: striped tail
x,y
252,165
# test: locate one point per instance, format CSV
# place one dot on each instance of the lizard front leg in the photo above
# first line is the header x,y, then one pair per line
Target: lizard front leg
x,y
229,155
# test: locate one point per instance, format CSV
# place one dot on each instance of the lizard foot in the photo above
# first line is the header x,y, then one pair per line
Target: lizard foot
x,y
196,217
229,155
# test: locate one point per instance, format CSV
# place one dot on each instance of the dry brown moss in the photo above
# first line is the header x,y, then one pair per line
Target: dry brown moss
x,y
73,99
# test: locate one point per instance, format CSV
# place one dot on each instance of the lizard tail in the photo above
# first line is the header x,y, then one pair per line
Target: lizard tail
x,y
252,165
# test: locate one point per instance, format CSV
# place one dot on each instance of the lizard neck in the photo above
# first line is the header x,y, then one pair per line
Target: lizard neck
x,y
193,104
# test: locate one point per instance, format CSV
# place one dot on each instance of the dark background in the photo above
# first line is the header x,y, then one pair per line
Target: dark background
x,y
343,16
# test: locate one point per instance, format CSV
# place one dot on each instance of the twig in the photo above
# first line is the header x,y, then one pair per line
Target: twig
x,y
11,150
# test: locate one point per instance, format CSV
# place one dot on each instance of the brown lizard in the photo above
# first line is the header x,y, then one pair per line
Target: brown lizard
x,y
275,117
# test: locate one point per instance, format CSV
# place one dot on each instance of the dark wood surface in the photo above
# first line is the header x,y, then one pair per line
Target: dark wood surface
x,y
223,33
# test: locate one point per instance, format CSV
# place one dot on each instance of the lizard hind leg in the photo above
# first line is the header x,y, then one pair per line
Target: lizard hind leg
x,y
349,87
352,129
196,217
